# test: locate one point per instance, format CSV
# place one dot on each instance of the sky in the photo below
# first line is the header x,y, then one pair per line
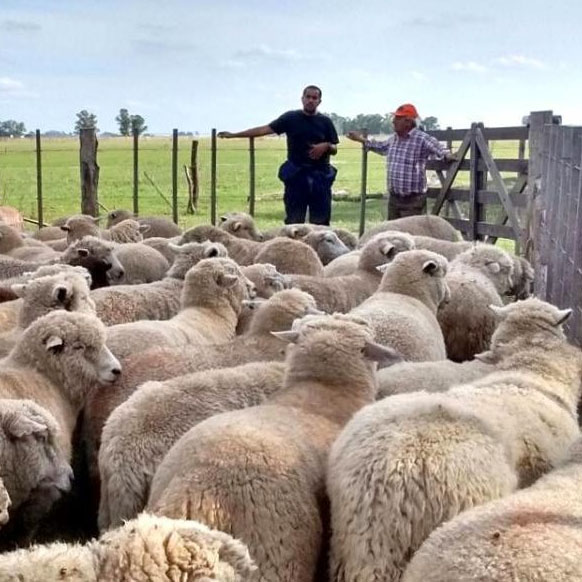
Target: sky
x,y
231,65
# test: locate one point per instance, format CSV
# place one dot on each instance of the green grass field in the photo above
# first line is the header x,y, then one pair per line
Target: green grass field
x,y
61,183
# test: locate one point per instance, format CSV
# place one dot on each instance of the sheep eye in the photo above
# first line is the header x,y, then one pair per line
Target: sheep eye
x,y
78,346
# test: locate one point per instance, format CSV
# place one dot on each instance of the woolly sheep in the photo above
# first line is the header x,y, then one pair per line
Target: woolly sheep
x,y
428,457
429,376
403,310
146,549
47,233
347,264
68,291
211,301
79,226
300,231
326,244
290,256
275,314
446,248
57,359
128,231
13,244
241,225
33,467
140,432
162,245
141,264
158,225
259,472
531,535
476,278
341,294
157,300
523,277
424,225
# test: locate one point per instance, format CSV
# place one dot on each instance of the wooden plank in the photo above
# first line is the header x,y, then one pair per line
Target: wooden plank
x,y
363,188
213,156
576,240
39,205
551,194
483,228
89,171
452,173
498,183
252,180
474,180
175,175
517,198
491,133
452,206
503,165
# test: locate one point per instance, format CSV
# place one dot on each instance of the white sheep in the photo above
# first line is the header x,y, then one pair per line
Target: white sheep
x,y
157,300
211,301
259,472
424,225
158,225
446,248
141,264
146,549
140,432
326,244
341,294
477,278
241,225
402,311
532,535
410,462
127,231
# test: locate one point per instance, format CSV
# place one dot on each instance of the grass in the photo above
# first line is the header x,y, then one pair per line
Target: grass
x,y
61,182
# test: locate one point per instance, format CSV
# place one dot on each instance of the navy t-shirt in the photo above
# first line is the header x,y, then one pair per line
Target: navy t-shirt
x,y
303,131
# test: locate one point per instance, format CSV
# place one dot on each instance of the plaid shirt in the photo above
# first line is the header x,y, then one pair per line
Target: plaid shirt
x,y
406,159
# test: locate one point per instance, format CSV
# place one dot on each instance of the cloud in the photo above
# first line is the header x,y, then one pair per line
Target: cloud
x,y
18,26
520,61
8,85
265,53
469,66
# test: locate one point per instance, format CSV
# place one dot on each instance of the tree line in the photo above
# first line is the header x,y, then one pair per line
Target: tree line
x,y
374,124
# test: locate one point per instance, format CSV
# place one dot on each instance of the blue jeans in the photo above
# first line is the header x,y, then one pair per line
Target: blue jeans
x,y
307,188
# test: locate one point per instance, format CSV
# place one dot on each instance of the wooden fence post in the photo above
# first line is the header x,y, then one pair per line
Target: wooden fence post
x,y
39,209
536,205
175,176
213,177
89,172
252,176
192,179
364,186
135,172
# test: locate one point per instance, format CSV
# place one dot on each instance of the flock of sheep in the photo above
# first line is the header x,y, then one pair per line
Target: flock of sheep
x,y
287,406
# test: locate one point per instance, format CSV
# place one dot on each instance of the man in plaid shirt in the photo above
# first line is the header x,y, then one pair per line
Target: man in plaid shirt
x,y
406,151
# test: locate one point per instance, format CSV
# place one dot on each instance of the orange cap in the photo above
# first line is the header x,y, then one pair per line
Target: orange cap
x,y
406,110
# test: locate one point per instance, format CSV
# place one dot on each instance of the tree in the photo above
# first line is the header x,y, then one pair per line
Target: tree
x,y
137,124
12,128
86,120
124,122
430,123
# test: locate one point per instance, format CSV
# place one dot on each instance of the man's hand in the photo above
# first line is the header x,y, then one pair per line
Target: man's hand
x,y
449,157
225,134
318,150
356,136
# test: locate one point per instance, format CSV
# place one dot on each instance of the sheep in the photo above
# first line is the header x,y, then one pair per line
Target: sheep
x,y
79,226
146,549
162,245
128,231
403,309
290,256
300,231
275,314
429,456
424,225
157,300
57,359
33,467
13,244
341,294
211,301
141,264
259,472
446,248
429,376
48,233
241,225
140,432
476,278
326,244
531,535
158,226
41,295
523,277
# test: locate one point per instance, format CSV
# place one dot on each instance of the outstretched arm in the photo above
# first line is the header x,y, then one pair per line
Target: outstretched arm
x,y
252,132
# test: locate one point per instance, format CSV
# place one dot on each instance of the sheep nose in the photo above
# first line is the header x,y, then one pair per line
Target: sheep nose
x,y
116,371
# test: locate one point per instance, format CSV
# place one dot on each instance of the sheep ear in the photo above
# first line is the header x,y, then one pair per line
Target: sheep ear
x,y
223,218
494,267
61,293
499,311
19,425
287,336
226,280
388,250
487,357
65,228
212,251
236,226
382,268
83,252
175,248
19,289
563,315
379,353
294,232
314,311
54,343
96,219
430,267
253,303
144,228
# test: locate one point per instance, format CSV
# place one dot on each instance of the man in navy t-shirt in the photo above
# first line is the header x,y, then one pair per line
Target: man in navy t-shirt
x,y
307,173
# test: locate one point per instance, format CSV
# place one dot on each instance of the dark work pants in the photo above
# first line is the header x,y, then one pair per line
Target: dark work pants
x,y
302,193
410,205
